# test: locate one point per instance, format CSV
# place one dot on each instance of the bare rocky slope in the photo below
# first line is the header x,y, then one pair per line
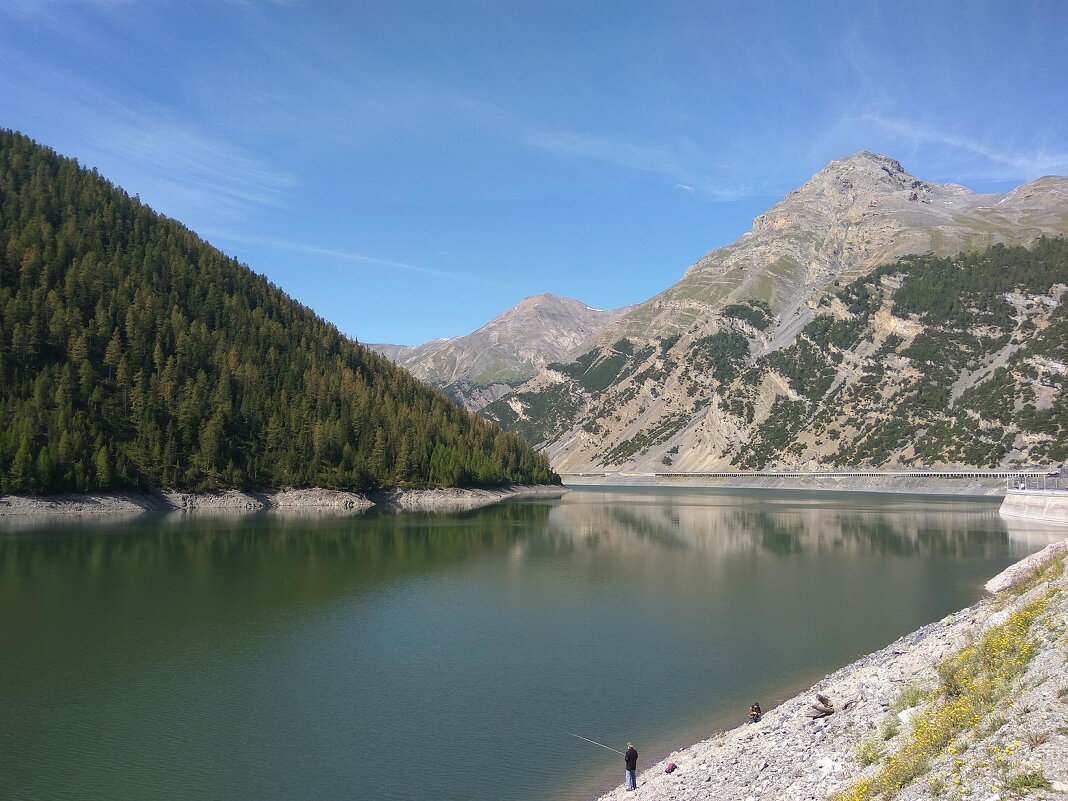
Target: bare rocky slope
x,y
740,365
486,364
973,708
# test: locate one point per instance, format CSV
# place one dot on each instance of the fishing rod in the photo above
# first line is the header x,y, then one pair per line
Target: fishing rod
x,y
587,739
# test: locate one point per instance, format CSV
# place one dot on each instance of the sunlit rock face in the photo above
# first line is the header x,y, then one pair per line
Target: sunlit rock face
x,y
677,382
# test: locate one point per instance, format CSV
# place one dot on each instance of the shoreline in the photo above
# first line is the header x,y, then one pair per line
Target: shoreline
x,y
451,499
790,756
958,487
454,499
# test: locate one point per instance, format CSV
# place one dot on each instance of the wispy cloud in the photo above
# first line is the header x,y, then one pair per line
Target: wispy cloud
x,y
965,157
684,188
182,168
46,5
1022,164
347,256
681,162
180,154
332,253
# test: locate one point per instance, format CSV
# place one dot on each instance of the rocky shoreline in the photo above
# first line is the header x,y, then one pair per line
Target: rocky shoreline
x,y
288,499
1017,748
958,487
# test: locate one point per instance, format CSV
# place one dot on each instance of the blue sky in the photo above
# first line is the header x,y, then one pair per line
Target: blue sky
x,y
410,170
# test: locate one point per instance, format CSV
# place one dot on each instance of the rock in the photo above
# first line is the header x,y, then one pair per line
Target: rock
x,y
906,715
996,619
828,765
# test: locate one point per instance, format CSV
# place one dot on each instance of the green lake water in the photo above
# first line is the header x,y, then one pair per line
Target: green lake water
x,y
432,656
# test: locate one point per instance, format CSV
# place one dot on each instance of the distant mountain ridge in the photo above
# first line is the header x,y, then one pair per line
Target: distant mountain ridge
x,y
651,389
480,367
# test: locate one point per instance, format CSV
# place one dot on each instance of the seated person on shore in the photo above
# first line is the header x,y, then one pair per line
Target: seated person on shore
x,y
755,713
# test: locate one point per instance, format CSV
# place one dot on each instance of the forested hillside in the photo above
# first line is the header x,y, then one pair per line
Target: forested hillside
x,y
132,353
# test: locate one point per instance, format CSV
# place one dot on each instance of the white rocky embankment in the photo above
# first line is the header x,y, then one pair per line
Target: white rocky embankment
x,y
289,499
1018,750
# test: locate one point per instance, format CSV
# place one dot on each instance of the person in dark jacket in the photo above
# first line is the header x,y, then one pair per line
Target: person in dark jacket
x,y
631,758
755,713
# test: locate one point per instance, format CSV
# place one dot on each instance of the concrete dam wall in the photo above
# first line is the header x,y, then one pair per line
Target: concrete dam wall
x,y
1048,506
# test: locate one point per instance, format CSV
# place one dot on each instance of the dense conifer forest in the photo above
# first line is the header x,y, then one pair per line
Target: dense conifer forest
x,y
134,354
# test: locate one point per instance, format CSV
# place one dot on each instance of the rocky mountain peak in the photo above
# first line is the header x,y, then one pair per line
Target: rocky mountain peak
x,y
542,303
480,367
866,190
537,310
863,175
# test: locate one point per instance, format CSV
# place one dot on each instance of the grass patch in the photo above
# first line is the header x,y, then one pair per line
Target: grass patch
x,y
1020,783
972,682
911,696
1036,738
890,729
868,750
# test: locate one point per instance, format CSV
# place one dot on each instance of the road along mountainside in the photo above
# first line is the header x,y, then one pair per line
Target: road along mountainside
x,y
971,708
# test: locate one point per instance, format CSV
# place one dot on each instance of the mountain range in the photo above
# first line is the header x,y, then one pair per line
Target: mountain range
x,y
711,373
487,364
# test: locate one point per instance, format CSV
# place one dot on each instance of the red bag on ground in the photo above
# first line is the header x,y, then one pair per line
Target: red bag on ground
x,y
670,767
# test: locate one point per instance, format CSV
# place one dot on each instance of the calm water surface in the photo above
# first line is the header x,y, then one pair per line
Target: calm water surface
x,y
417,657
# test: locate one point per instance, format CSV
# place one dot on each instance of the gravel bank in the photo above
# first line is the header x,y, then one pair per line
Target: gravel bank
x,y
227,501
790,756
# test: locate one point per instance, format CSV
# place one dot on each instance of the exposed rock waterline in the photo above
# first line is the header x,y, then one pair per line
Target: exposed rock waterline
x,y
237,501
959,487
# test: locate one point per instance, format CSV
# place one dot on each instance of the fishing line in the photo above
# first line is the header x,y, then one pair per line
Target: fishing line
x,y
587,739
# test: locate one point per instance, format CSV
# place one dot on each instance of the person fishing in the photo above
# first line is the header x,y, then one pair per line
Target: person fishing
x,y
631,760
755,713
